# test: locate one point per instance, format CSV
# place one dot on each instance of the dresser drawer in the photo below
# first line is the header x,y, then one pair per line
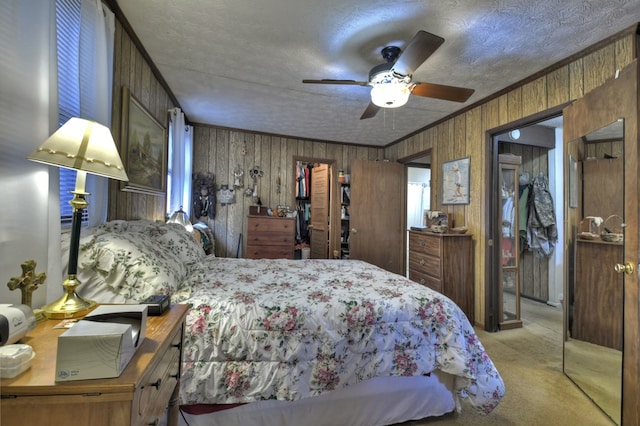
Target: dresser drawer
x,y
159,385
271,224
271,238
425,264
425,244
270,251
427,280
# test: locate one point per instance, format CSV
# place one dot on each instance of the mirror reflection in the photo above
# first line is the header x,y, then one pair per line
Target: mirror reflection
x,y
593,344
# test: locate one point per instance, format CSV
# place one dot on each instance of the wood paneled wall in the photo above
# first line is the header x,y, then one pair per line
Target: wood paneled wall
x,y
220,151
133,71
467,134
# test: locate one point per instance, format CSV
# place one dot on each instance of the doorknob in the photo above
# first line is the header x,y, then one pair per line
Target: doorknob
x,y
354,230
627,268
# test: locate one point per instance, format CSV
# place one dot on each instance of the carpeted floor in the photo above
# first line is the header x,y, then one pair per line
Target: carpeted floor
x,y
537,391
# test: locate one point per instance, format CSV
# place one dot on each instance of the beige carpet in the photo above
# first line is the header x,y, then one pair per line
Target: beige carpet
x,y
530,362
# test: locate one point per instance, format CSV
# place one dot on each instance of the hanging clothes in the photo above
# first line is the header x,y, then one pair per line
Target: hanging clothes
x,y
524,187
541,230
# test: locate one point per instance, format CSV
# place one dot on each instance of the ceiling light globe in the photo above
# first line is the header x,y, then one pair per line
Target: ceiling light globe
x,y
390,95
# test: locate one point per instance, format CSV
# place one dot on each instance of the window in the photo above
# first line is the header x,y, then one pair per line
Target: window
x,y
68,40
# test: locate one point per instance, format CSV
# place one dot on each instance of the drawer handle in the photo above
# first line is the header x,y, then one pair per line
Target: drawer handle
x,y
422,262
157,384
423,243
422,281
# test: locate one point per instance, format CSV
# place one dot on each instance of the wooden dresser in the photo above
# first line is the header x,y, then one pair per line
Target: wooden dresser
x,y
270,237
145,392
444,262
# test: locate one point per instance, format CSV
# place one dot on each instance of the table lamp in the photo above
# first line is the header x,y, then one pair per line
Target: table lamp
x,y
88,147
181,218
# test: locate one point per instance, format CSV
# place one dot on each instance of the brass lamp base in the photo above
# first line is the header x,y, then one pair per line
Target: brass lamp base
x,y
70,305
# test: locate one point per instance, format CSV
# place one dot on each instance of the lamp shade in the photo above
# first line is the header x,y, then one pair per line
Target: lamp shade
x,y
82,145
180,217
390,95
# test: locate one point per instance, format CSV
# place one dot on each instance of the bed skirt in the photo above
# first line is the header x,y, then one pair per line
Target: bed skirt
x,y
374,402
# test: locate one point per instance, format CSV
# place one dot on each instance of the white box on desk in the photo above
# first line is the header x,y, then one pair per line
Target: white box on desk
x,y
102,344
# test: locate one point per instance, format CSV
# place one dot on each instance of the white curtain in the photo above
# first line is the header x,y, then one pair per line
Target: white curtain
x,y
30,215
417,203
181,140
97,28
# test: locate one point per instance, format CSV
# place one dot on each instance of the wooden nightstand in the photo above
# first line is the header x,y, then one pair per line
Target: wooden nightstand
x,y
145,390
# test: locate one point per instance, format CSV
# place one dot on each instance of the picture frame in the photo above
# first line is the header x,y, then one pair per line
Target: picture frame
x,y
144,148
455,181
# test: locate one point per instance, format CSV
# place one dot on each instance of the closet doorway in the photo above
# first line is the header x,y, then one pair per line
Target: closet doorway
x,y
315,205
538,147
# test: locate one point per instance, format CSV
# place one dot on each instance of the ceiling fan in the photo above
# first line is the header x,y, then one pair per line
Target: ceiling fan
x,y
391,82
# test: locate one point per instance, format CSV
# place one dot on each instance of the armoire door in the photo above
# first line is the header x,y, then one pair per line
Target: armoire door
x,y
319,240
614,105
377,214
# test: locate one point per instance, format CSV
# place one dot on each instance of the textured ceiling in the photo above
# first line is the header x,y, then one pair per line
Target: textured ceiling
x,y
240,63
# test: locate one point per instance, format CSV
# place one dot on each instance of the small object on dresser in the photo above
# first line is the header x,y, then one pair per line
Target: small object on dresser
x,y
458,230
439,229
157,304
15,359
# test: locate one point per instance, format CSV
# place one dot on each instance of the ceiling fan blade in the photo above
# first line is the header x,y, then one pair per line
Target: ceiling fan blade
x,y
439,91
330,81
421,46
371,111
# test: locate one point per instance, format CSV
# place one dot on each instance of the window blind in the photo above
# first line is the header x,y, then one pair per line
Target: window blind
x,y
68,44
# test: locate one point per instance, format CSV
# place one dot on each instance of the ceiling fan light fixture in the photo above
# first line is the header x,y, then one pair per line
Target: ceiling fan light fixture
x,y
390,95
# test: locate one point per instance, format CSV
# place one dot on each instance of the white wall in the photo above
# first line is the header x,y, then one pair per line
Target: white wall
x,y
26,119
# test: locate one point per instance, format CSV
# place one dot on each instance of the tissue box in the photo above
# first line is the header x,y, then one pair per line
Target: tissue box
x,y
102,344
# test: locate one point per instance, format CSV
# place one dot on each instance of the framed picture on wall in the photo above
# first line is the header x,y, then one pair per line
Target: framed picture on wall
x,y
144,147
455,181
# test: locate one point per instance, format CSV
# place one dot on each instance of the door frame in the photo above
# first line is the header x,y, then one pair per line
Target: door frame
x,y
492,225
334,197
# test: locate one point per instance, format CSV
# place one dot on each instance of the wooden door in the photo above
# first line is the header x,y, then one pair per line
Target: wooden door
x,y
378,213
616,99
319,222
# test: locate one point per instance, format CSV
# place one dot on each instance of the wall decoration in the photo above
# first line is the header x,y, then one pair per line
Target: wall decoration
x,y
238,177
226,195
254,173
204,197
144,148
455,181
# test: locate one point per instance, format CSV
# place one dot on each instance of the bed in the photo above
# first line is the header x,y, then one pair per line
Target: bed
x,y
295,341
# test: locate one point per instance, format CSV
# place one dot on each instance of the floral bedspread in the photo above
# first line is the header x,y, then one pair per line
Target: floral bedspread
x,y
288,329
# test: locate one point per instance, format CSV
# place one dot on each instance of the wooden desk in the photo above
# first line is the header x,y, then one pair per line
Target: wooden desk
x,y
145,390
